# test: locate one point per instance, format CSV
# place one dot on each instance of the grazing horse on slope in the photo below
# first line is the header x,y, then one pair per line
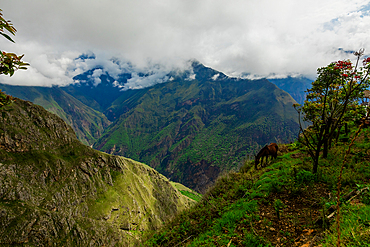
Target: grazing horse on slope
x,y
268,150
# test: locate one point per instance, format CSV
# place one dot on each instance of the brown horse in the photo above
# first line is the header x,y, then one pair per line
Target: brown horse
x,y
268,150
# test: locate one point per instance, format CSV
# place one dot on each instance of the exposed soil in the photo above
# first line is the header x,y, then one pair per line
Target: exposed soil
x,y
297,225
300,222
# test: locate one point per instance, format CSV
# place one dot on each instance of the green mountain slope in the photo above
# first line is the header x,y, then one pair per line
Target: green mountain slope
x,y
191,130
56,191
283,204
88,124
295,86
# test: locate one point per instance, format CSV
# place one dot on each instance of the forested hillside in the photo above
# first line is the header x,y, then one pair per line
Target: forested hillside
x,y
191,130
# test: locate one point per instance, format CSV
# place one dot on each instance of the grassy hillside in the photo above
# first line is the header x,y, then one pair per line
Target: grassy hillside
x,y
87,123
283,204
192,130
55,191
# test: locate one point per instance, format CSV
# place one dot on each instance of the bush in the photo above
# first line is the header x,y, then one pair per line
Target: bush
x,y
305,177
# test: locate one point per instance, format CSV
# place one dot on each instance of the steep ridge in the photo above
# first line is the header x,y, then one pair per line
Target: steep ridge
x,y
87,123
193,129
198,124
295,86
56,191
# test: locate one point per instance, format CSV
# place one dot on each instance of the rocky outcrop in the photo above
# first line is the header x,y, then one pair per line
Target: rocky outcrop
x,y
55,191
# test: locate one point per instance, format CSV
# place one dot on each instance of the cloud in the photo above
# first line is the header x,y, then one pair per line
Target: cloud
x,y
260,38
137,82
215,76
96,76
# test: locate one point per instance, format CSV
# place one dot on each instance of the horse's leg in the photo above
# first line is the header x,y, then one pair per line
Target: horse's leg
x,y
265,161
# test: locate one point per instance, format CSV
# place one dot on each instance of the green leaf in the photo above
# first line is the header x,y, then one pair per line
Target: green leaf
x,y
7,36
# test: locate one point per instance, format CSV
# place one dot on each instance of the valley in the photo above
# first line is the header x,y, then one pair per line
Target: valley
x,y
57,190
190,130
184,124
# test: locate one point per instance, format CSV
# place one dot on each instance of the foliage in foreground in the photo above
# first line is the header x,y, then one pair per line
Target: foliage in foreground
x,y
9,62
332,102
283,204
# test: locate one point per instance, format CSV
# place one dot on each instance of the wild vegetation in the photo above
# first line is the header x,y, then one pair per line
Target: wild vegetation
x,y
87,123
9,62
56,191
208,123
292,202
283,203
192,130
332,101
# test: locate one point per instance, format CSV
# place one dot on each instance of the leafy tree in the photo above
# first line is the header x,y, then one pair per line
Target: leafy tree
x,y
332,101
9,62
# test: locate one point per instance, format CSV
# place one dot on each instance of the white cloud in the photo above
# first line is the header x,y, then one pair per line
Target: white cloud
x,y
137,81
259,37
96,76
215,76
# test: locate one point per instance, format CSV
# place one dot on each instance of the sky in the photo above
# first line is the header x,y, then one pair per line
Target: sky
x,y
258,38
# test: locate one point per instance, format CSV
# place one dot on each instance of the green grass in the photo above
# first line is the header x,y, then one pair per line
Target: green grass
x,y
222,209
194,196
354,227
228,222
229,214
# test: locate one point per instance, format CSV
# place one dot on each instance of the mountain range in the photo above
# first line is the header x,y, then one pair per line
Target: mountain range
x,y
56,191
191,128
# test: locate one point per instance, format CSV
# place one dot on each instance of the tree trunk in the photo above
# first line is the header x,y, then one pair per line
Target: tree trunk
x,y
326,148
315,165
316,158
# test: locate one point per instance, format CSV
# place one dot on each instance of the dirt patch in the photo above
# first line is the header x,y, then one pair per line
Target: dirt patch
x,y
297,223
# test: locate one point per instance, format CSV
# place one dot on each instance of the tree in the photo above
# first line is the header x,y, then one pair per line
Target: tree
x,y
332,101
9,62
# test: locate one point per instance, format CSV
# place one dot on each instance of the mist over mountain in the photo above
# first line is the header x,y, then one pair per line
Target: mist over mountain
x,y
193,129
189,124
